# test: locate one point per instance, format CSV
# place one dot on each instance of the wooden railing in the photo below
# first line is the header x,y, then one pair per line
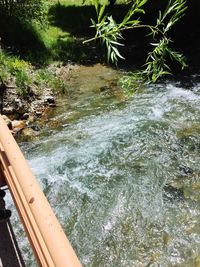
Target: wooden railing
x,y
49,243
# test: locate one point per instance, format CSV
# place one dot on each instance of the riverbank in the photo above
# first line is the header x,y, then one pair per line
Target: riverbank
x,y
25,104
21,113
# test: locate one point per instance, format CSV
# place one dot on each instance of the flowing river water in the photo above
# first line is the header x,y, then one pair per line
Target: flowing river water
x,y
123,174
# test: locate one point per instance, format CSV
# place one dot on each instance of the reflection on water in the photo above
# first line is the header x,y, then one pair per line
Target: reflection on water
x,y
123,176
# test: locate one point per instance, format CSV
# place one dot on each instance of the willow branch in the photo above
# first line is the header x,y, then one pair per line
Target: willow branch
x,y
123,29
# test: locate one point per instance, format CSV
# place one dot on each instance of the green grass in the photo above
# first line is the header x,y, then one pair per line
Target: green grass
x,y
27,76
12,66
67,26
51,35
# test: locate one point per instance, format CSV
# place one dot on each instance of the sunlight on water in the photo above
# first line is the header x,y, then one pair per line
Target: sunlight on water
x,y
125,182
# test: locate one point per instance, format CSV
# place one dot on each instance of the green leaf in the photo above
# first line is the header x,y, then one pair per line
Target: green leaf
x,y
96,4
101,12
116,43
117,52
142,3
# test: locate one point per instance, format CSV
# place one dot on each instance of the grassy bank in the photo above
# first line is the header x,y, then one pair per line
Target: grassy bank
x,y
26,78
58,38
60,35
27,49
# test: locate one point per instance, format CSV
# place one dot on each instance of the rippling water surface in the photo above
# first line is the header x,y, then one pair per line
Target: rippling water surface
x,y
123,175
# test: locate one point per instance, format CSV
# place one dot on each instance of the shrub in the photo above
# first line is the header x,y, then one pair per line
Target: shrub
x,y
24,10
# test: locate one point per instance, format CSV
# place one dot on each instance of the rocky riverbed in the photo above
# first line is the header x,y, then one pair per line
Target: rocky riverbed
x,y
24,114
21,112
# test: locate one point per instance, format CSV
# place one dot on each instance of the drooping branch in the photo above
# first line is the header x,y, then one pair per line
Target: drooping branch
x,y
110,32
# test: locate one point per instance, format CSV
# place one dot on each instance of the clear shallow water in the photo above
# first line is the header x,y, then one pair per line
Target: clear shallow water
x,y
123,176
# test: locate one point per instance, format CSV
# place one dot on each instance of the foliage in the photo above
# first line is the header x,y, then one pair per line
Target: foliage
x,y
47,78
4,74
21,71
158,58
110,32
132,82
24,10
23,74
12,68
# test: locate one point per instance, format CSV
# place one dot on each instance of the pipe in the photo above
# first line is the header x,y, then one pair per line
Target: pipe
x,y
50,245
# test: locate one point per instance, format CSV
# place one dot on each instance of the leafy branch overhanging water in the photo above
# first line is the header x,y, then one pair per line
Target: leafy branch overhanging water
x,y
157,61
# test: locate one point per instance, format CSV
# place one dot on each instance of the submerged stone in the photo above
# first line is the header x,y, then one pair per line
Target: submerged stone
x,y
185,170
28,134
172,193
